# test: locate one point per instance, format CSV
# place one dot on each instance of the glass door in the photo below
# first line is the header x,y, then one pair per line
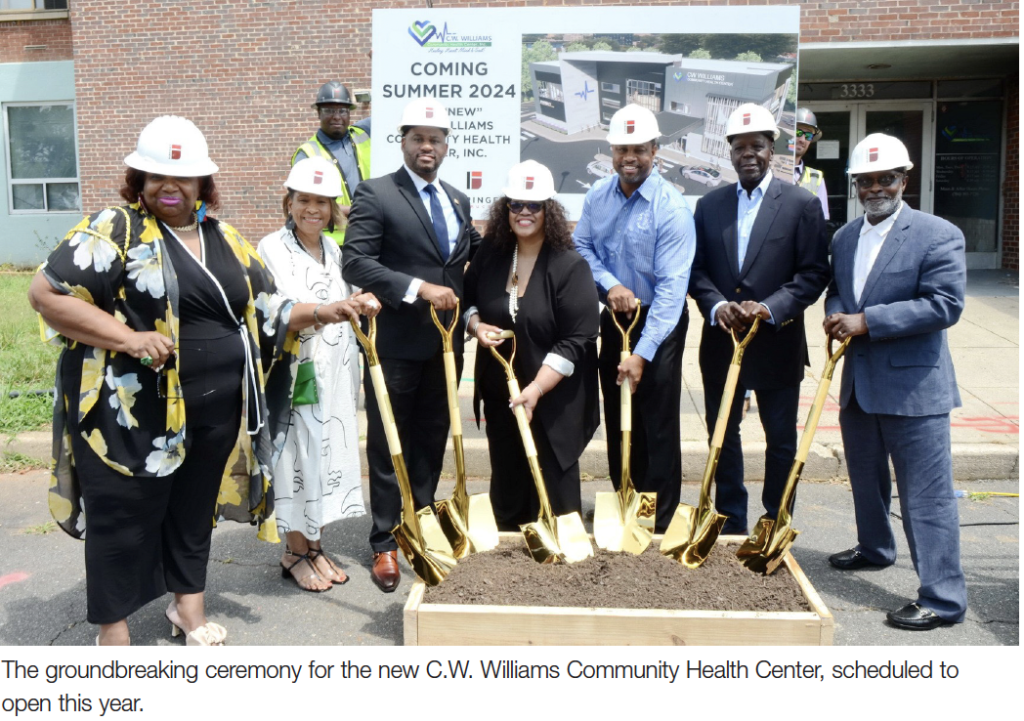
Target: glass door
x,y
912,123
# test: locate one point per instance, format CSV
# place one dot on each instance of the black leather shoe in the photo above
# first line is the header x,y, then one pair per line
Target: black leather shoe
x,y
851,560
914,617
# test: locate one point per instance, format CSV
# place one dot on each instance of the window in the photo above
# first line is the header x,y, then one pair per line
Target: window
x,y
42,158
33,4
551,91
610,88
610,103
644,93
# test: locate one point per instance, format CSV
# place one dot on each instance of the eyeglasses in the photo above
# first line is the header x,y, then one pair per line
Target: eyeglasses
x,y
437,140
517,207
809,134
336,110
886,181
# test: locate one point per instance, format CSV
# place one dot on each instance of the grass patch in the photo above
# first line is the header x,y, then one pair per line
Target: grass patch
x,y
14,462
26,363
41,530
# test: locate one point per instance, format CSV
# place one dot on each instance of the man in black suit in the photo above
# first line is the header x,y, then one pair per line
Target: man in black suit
x,y
408,240
761,251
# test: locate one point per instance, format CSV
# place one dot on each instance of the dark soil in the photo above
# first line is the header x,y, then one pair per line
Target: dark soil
x,y
508,576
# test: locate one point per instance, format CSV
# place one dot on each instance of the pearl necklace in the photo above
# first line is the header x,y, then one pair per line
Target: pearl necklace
x,y
513,296
186,228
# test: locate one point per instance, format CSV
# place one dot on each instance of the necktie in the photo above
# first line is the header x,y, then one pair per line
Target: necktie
x,y
437,217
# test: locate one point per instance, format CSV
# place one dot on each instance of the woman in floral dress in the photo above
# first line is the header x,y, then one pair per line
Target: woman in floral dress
x,y
174,380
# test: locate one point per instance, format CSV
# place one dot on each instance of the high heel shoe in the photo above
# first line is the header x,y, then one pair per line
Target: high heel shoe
x,y
210,634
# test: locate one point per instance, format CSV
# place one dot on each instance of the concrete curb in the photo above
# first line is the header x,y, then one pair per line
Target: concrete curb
x,y
971,461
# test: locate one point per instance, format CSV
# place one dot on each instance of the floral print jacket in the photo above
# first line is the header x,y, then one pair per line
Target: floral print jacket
x,y
116,260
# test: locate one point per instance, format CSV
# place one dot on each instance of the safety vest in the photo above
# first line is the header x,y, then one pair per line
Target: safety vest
x,y
361,142
812,179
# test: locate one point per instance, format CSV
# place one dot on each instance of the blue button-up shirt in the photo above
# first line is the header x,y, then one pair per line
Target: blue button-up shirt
x,y
646,243
746,212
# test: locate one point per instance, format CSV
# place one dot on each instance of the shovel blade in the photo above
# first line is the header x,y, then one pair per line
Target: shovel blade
x,y
474,531
692,535
627,529
757,543
572,538
454,527
773,553
540,541
426,548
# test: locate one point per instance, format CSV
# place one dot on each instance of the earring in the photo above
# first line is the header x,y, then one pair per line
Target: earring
x,y
201,211
142,205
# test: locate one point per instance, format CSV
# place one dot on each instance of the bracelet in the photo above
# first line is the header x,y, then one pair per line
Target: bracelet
x,y
539,389
473,332
316,318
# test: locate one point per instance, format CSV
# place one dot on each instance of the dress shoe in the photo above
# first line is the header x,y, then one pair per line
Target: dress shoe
x,y
853,559
385,572
914,617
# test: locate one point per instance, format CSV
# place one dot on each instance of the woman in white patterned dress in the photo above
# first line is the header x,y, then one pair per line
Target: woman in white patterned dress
x,y
317,479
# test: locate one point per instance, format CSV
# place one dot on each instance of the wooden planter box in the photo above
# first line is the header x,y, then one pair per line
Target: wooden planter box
x,y
427,624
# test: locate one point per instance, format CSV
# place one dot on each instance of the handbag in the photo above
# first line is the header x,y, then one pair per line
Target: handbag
x,y
306,393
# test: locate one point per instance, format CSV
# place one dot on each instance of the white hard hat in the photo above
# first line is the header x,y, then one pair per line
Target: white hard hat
x,y
529,180
425,111
879,151
751,118
172,146
315,175
633,124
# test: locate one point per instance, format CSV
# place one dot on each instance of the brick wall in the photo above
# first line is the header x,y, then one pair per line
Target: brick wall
x,y
246,71
1011,188
54,34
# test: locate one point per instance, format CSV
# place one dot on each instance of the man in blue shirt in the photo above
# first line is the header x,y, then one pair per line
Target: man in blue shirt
x,y
761,251
637,234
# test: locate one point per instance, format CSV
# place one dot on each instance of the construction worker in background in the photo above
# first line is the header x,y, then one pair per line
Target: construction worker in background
x,y
346,145
807,132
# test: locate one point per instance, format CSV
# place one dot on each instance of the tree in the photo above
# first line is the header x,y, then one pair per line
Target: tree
x,y
601,45
729,45
749,57
676,44
540,51
700,54
577,47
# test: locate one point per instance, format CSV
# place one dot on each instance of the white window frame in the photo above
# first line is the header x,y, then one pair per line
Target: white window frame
x,y
11,182
38,11
611,88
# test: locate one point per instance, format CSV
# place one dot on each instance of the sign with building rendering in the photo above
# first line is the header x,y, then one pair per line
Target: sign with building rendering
x,y
542,83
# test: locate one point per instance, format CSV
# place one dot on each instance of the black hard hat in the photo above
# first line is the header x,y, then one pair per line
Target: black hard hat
x,y
805,117
333,93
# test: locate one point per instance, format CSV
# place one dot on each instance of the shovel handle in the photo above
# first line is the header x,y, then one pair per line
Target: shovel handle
x,y
451,381
446,333
625,332
625,400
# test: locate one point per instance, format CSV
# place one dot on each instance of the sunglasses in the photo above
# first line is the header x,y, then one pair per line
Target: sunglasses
x,y
809,134
517,207
886,181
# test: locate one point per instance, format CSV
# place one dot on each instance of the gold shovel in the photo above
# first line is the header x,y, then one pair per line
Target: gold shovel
x,y
693,531
624,520
418,533
550,538
467,520
769,543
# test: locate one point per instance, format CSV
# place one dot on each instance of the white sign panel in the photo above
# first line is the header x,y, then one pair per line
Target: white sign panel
x,y
542,83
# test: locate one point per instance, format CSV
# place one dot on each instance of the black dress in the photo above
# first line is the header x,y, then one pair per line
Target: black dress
x,y
148,536
557,314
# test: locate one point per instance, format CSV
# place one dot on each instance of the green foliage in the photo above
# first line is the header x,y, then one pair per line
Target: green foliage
x,y
676,44
541,51
14,462
42,529
700,54
730,45
26,363
749,57
577,47
603,45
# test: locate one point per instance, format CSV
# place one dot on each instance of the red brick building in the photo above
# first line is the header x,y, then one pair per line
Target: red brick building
x,y
246,71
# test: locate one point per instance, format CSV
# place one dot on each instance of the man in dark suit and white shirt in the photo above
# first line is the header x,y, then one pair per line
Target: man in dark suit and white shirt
x,y
408,240
899,278
761,251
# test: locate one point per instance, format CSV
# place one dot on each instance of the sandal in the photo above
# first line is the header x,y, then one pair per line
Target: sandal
x,y
336,568
210,634
286,572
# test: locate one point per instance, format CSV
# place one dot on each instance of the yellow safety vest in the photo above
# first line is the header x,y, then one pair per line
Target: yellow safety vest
x,y
361,142
812,179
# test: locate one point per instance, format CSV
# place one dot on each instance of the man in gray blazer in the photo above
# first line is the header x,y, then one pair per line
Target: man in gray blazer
x,y
408,240
898,283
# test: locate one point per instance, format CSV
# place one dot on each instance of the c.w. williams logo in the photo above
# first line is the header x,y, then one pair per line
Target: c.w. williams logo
x,y
474,180
426,35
